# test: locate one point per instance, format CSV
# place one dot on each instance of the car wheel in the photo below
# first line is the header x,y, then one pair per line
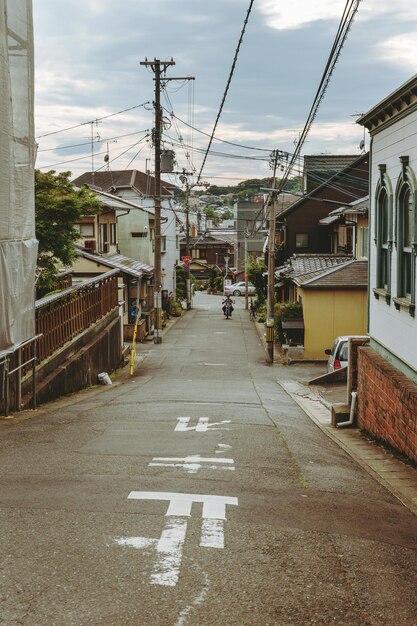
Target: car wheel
x,y
236,292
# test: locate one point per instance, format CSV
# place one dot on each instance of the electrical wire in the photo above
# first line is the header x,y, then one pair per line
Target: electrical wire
x,y
229,80
98,119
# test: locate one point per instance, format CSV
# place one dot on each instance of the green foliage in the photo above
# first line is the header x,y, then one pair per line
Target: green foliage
x,y
227,215
285,311
181,288
58,204
175,308
255,268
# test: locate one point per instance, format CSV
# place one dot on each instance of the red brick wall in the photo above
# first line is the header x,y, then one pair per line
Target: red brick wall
x,y
387,403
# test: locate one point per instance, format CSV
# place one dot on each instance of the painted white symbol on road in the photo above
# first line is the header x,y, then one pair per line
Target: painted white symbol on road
x,y
169,546
202,425
192,463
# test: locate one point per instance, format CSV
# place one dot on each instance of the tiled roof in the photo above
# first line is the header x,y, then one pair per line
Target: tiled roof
x,y
132,179
350,275
310,264
121,262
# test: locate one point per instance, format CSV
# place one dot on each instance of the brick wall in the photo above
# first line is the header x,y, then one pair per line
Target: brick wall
x,y
387,403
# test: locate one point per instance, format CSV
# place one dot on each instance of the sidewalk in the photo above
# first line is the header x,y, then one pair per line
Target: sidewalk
x,y
393,473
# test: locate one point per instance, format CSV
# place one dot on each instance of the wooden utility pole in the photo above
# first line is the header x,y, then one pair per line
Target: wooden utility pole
x,y
158,67
270,319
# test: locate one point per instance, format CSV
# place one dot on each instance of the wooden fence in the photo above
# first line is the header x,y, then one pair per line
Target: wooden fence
x,y
59,319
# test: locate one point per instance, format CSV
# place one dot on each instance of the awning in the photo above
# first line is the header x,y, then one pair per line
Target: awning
x,y
292,324
330,219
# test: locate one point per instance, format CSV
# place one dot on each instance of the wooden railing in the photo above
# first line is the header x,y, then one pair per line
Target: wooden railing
x,y
62,316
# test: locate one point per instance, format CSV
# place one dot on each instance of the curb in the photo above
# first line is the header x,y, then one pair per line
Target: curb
x,y
396,476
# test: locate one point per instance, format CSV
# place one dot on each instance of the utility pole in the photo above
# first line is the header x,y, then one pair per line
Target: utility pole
x,y
246,271
270,321
158,67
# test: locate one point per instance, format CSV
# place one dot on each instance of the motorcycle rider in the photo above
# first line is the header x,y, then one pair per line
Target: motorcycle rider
x,y
228,302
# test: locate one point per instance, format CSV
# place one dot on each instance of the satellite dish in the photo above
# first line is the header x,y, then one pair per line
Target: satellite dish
x,y
362,144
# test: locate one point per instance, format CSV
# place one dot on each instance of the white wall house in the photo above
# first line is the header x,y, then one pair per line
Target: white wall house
x,y
137,188
393,220
387,369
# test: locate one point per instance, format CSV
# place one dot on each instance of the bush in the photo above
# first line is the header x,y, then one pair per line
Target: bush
x,y
175,308
285,311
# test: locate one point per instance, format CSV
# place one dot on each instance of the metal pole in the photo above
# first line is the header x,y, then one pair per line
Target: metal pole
x,y
187,243
35,358
246,272
270,321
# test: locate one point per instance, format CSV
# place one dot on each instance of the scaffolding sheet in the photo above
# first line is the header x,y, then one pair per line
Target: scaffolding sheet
x,y
18,246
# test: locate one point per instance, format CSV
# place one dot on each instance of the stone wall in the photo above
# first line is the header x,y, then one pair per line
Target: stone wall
x,y
387,403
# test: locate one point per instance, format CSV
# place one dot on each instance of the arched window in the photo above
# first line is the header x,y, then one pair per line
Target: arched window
x,y
405,252
383,241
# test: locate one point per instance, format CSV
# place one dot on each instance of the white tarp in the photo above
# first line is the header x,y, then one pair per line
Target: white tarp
x,y
18,246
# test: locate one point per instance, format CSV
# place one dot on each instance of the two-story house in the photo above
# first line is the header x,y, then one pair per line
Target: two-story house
x,y
138,188
387,385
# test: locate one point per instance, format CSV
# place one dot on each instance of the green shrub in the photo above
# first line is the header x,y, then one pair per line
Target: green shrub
x,y
285,311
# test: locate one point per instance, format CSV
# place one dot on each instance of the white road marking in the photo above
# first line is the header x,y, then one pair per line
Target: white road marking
x,y
215,364
166,570
198,600
214,507
202,425
169,546
212,534
191,463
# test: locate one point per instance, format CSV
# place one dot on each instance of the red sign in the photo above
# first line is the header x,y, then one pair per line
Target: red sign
x,y
186,260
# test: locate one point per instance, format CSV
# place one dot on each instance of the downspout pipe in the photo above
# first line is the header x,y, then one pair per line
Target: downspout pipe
x,y
351,419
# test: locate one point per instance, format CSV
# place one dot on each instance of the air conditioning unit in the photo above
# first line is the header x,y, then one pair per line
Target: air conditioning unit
x,y
89,244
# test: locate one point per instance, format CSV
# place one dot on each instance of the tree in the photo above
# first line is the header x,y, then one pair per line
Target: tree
x,y
58,205
255,268
228,214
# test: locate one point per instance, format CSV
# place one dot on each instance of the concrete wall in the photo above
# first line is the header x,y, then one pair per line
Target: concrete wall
x,y
387,403
330,313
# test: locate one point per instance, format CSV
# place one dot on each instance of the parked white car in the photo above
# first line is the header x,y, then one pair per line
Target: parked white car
x,y
339,354
239,289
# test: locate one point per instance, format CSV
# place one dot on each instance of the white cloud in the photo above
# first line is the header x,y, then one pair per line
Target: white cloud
x,y
294,15
400,50
282,16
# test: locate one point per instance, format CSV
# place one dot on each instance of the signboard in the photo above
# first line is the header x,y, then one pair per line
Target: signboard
x,y
227,282
186,260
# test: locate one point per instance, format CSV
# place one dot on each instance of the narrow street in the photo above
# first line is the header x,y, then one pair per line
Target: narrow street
x,y
196,493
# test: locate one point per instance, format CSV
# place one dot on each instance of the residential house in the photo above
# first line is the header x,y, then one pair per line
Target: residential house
x,y
208,252
138,188
349,228
297,226
387,369
135,287
333,292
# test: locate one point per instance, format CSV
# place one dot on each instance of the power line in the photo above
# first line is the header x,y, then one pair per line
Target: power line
x,y
98,119
226,89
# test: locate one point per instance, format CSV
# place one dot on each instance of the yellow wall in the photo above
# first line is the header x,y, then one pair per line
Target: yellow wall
x,y
328,314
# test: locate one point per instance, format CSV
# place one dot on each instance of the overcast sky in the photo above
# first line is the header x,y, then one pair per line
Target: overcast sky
x,y
88,53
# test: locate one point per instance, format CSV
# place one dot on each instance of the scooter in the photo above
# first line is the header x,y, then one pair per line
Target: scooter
x,y
227,309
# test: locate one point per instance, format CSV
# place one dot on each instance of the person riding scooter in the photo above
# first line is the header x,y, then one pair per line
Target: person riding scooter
x,y
228,302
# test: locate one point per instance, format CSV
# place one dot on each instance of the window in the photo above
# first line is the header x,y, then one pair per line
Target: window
x,y
301,240
406,260
363,242
163,244
85,230
383,252
112,233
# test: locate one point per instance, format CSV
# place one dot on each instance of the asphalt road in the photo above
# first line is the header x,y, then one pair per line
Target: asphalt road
x,y
196,493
